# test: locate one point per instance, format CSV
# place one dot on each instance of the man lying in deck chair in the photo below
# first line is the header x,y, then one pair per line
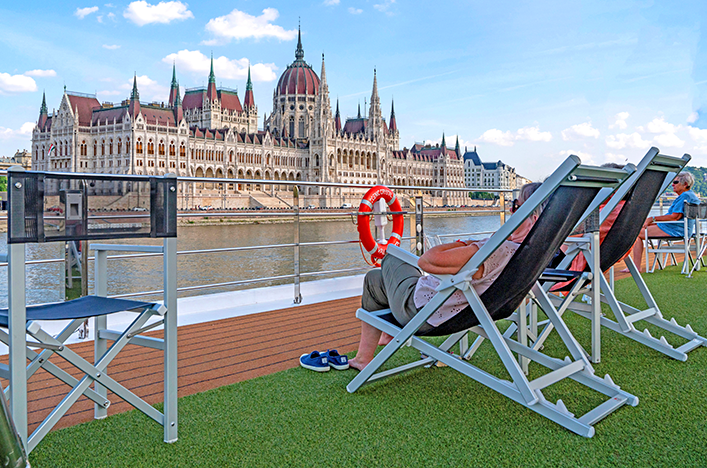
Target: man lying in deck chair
x,y
403,288
570,192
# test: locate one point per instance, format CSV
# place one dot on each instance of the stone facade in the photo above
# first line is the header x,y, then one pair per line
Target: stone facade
x,y
210,133
483,175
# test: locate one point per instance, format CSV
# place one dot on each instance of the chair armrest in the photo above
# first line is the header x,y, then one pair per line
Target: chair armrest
x,y
403,255
127,248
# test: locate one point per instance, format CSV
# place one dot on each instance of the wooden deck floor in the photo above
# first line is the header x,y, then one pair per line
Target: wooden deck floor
x,y
211,355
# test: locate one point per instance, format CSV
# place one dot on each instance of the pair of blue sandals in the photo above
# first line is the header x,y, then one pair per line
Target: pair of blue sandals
x,y
322,362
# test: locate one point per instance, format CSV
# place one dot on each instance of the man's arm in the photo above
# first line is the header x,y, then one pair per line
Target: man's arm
x,y
447,259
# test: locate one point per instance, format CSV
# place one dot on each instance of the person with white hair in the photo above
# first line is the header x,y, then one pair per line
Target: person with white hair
x,y
682,185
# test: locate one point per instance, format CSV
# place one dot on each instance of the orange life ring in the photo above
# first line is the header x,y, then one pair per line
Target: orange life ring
x,y
377,250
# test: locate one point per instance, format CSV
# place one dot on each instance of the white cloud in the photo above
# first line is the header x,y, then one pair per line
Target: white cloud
x,y
692,118
497,137
23,131
240,25
385,7
585,157
659,125
620,121
626,140
198,63
111,16
533,134
616,158
111,47
99,18
110,93
355,11
669,139
16,84
580,131
331,2
697,134
150,90
41,73
81,13
142,13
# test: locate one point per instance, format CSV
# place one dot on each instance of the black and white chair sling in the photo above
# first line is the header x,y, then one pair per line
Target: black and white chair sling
x,y
30,220
653,175
569,192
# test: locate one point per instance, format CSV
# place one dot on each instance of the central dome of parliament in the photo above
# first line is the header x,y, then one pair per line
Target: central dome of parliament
x,y
298,78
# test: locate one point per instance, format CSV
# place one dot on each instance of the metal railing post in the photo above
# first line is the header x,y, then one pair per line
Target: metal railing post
x,y
418,227
295,205
502,204
100,345
13,453
17,311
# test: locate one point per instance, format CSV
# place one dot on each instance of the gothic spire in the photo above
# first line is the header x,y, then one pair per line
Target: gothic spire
x,y
322,75
212,77
177,106
249,99
299,53
134,107
135,95
174,88
211,90
337,118
456,147
359,111
43,110
374,94
393,124
444,142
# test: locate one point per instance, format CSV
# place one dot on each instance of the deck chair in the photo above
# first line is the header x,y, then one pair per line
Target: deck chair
x,y
652,177
667,246
30,221
569,192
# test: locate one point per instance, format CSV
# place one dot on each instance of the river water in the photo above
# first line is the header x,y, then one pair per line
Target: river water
x,y
45,282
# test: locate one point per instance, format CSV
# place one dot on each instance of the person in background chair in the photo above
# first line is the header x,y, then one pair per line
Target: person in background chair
x,y
682,185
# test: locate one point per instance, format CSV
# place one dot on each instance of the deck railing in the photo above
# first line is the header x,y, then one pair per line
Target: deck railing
x,y
416,236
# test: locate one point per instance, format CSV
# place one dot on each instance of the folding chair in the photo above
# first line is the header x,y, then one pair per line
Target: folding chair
x,y
699,213
30,221
653,175
570,191
667,246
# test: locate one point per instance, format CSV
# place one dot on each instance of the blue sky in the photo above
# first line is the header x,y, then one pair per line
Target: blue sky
x,y
526,82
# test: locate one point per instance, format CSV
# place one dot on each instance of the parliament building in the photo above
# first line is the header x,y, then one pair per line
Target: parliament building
x,y
209,132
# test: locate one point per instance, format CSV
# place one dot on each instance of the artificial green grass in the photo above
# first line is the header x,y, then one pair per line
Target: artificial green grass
x,y
427,417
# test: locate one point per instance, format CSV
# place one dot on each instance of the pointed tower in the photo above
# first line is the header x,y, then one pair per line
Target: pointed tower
x,y
337,118
375,116
134,107
43,112
211,93
299,53
359,111
177,105
174,87
444,144
393,124
323,105
456,148
249,100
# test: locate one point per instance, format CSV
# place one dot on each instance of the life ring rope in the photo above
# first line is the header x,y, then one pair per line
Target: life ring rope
x,y
368,244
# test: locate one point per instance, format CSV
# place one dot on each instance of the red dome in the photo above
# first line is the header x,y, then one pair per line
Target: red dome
x,y
299,78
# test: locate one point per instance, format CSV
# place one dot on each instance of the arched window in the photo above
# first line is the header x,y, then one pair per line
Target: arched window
x,y
95,148
103,148
182,151
301,127
172,150
292,127
110,147
120,146
160,148
138,146
150,147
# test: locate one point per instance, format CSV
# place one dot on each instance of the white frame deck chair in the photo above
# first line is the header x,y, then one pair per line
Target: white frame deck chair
x,y
570,190
685,244
653,175
26,224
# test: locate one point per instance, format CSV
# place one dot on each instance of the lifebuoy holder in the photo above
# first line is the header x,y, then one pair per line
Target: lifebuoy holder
x,y
377,249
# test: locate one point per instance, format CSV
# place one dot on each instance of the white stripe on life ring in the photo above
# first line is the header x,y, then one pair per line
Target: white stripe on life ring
x,y
367,203
396,235
372,251
392,200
